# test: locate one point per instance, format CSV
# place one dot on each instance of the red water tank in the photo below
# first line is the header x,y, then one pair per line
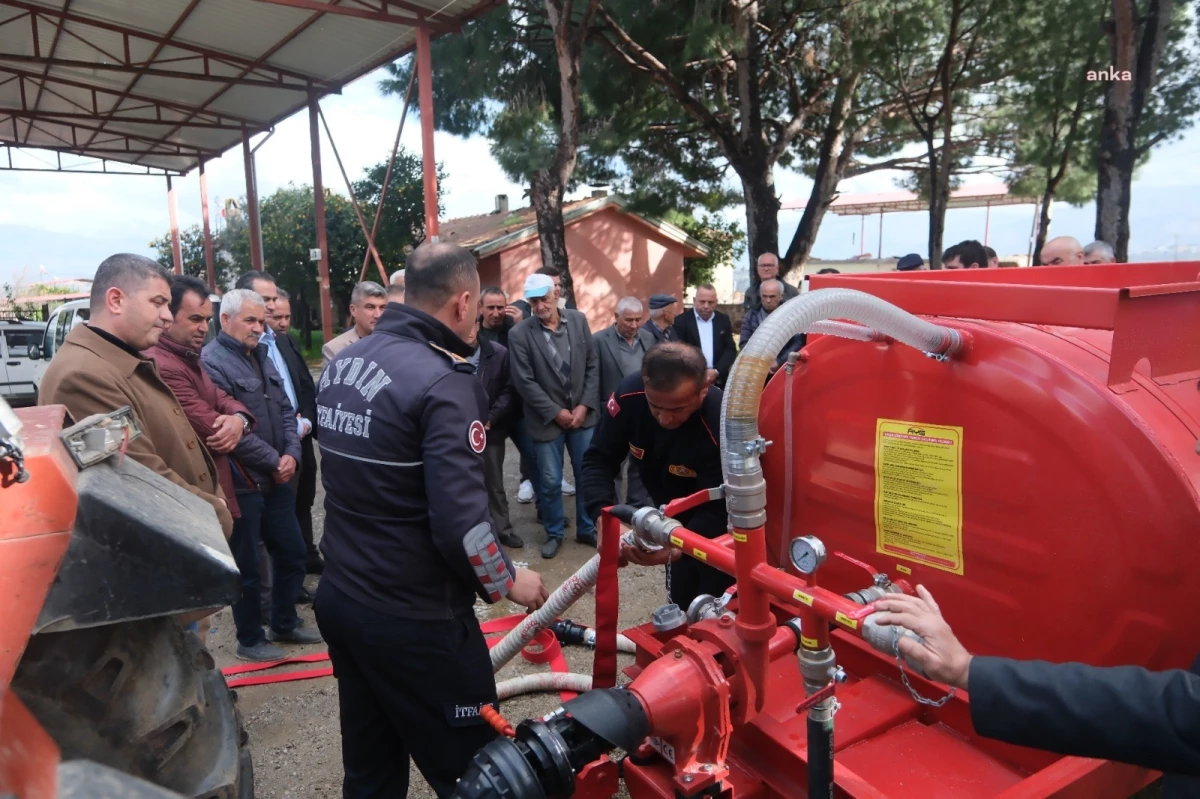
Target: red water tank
x,y
1045,487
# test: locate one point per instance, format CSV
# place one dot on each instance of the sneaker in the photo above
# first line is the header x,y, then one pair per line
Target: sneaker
x,y
525,492
261,652
568,490
512,540
550,548
299,635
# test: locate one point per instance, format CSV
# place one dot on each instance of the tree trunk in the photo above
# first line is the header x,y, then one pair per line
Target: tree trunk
x,y
1123,105
1043,228
762,212
835,153
939,198
547,197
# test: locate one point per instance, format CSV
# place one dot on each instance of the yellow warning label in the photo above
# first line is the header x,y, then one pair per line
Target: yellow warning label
x,y
699,553
803,597
677,541
842,618
900,567
918,493
808,643
739,537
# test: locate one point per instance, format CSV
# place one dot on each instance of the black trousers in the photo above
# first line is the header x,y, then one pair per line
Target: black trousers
x,y
306,494
405,688
690,578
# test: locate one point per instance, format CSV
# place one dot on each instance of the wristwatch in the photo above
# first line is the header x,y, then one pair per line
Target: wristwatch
x,y
245,421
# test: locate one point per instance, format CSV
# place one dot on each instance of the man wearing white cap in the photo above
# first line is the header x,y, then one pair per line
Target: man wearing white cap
x,y
556,371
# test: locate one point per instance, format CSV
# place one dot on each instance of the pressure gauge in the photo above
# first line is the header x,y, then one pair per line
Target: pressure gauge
x,y
808,553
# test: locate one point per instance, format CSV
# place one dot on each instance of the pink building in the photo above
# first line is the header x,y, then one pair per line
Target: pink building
x,y
613,252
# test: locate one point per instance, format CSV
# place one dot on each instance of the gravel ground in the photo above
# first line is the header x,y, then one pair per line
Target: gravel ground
x,y
294,726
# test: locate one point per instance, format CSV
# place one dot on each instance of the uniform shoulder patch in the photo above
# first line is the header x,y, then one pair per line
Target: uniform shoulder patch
x,y
681,471
477,436
637,452
613,406
454,357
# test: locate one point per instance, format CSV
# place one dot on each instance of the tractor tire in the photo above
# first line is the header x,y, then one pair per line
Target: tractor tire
x,y
142,697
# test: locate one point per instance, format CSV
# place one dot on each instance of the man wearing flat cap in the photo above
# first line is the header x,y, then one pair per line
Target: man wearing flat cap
x,y
910,263
662,318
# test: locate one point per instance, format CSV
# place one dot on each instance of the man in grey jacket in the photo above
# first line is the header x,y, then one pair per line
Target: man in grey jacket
x,y
620,349
556,372
264,463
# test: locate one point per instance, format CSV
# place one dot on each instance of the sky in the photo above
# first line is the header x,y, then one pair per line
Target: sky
x,y
63,225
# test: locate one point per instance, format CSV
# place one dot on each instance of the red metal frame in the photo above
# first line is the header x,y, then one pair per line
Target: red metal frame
x,y
314,134
209,266
256,255
173,208
428,162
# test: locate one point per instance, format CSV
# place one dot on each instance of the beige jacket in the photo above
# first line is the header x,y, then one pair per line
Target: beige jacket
x,y
332,348
90,374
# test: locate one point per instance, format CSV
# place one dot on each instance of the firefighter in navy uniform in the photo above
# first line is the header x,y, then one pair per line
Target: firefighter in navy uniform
x,y
668,419
408,540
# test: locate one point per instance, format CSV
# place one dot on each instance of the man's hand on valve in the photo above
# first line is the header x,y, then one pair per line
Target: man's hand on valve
x,y
632,553
940,655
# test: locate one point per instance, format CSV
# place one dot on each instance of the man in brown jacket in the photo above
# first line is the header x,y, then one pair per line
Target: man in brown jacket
x,y
100,368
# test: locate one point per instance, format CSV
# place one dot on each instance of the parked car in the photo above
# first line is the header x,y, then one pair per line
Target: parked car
x,y
17,367
63,320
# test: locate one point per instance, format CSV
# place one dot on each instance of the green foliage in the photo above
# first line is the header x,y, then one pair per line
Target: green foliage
x,y
726,243
16,309
191,243
289,231
402,225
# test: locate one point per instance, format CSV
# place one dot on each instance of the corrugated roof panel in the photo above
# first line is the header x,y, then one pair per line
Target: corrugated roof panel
x,y
236,26
17,37
177,90
75,44
338,47
256,103
10,94
155,16
107,80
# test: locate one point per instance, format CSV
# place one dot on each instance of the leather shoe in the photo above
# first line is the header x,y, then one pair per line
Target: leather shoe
x,y
550,548
512,540
314,564
586,540
297,635
305,597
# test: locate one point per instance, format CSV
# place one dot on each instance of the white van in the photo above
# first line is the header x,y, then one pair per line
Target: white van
x,y
63,320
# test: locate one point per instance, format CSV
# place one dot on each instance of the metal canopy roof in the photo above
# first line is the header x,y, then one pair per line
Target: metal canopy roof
x,y
895,201
158,86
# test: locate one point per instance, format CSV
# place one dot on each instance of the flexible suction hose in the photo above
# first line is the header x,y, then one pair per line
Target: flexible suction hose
x,y
741,446
563,597
545,681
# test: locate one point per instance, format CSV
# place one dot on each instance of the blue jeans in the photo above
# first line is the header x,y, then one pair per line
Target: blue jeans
x,y
270,517
549,455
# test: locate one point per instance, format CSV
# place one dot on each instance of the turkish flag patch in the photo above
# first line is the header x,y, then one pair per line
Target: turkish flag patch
x,y
637,452
477,436
613,407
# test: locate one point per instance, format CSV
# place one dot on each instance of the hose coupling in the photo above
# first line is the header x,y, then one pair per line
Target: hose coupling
x,y
652,528
756,447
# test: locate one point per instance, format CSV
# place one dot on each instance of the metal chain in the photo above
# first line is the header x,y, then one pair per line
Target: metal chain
x,y
668,582
904,676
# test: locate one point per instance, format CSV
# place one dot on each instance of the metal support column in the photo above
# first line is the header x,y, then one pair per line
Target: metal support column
x,y
176,250
210,267
880,256
987,224
314,133
428,162
256,254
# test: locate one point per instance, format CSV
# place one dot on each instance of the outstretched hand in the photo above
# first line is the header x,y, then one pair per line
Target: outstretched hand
x,y
939,654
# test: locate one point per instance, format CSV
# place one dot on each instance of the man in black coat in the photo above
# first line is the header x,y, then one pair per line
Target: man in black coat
x,y
1123,713
491,367
280,323
710,330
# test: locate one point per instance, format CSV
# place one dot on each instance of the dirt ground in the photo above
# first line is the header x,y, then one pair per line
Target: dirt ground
x,y
293,726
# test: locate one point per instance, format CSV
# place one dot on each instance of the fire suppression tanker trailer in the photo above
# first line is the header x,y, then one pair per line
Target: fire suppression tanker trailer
x,y
1023,442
